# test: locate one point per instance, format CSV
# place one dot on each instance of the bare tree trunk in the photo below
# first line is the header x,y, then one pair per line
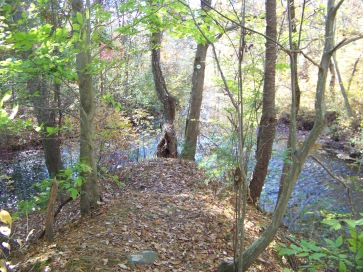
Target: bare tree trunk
x,y
267,126
90,191
167,146
332,81
295,89
299,157
196,97
348,108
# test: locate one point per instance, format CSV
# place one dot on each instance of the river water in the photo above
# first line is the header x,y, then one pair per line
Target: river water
x,y
19,171
315,190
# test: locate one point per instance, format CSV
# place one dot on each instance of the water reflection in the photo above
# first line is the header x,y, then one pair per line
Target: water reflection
x,y
20,171
18,174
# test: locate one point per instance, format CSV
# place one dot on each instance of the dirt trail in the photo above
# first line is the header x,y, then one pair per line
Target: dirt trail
x,y
163,206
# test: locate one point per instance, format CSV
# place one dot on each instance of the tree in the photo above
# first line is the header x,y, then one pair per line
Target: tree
x,y
267,126
45,101
167,146
196,96
299,155
90,191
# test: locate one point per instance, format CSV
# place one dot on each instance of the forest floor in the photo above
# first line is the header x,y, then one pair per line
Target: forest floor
x,y
164,206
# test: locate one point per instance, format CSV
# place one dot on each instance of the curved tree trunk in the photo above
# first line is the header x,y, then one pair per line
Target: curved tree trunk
x,y
267,126
90,191
196,97
167,146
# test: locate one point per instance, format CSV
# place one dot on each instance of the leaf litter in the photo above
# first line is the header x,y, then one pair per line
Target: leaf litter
x,y
164,206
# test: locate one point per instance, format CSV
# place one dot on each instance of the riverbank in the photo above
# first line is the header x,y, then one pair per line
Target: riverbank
x,y
163,206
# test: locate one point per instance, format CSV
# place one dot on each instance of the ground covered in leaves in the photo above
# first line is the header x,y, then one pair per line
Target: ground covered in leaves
x,y
164,206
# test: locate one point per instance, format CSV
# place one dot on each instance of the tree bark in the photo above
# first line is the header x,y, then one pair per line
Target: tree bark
x,y
167,146
196,97
267,126
90,191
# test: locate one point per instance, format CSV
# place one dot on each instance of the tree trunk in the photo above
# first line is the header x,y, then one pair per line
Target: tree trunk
x,y
267,126
90,191
46,116
299,157
295,91
348,108
167,146
332,81
196,97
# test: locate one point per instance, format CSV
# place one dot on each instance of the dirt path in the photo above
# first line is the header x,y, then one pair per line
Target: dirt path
x,y
164,206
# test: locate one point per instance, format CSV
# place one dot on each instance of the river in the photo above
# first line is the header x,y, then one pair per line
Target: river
x,y
315,190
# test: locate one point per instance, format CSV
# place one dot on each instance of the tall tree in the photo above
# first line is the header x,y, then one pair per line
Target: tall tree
x,y
43,98
90,190
299,155
267,126
196,96
167,146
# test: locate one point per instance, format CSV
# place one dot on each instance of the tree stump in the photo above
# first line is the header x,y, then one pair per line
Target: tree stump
x,y
167,146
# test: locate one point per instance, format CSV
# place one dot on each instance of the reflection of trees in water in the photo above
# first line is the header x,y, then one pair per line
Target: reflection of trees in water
x,y
17,176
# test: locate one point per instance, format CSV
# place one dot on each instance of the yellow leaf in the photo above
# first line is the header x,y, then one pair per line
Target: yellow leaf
x,y
6,217
3,266
6,245
6,231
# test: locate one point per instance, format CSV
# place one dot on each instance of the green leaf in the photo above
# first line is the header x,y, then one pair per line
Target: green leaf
x,y
310,246
74,192
333,223
317,256
76,27
52,130
342,266
339,241
329,242
287,251
80,18
359,254
353,243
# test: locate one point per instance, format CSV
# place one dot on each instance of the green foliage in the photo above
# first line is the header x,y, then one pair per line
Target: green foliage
x,y
344,253
69,180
